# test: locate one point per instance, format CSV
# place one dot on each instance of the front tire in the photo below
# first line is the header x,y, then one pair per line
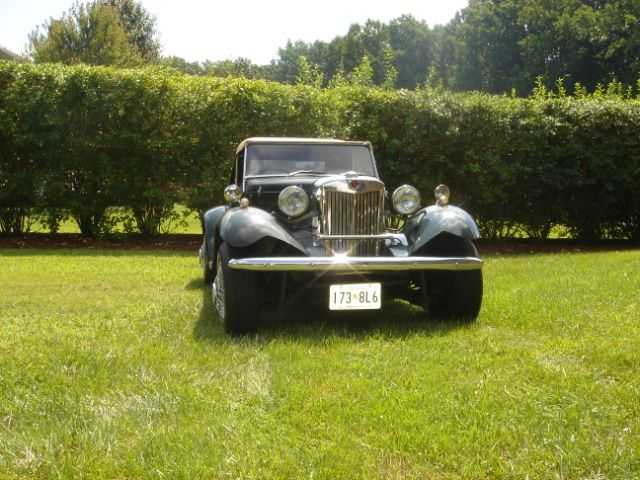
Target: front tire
x,y
454,294
235,295
208,273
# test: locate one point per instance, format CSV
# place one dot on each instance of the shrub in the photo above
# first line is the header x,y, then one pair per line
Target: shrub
x,y
84,139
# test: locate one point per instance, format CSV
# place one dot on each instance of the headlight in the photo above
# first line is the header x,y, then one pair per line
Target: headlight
x,y
406,199
293,201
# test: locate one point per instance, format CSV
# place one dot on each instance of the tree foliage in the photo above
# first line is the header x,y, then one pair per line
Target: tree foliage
x,y
139,25
362,75
397,54
309,74
491,45
495,46
99,32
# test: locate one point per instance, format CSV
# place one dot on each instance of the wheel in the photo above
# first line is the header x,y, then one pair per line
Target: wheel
x,y
208,273
450,294
454,294
235,295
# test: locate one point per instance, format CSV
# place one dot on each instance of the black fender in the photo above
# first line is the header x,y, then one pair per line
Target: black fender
x,y
429,222
242,227
211,223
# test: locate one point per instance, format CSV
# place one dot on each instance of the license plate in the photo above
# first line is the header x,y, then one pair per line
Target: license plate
x,y
355,296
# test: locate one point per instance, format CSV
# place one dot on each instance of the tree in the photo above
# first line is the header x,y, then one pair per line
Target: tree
x,y
89,33
140,26
444,55
100,32
286,67
240,67
309,73
363,73
9,55
497,45
487,49
182,65
390,70
412,42
399,53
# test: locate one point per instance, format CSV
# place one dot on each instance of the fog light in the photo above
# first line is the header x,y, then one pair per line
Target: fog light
x,y
442,195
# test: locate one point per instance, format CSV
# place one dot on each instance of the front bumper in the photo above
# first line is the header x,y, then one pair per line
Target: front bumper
x,y
355,264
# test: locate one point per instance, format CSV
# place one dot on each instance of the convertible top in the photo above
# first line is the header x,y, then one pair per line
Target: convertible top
x,y
285,140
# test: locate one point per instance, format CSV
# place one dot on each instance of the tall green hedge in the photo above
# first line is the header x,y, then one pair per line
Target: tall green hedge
x,y
78,140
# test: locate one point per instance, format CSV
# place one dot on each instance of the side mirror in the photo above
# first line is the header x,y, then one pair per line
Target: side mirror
x,y
232,194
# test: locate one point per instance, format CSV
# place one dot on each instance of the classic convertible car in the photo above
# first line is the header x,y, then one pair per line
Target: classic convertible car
x,y
311,220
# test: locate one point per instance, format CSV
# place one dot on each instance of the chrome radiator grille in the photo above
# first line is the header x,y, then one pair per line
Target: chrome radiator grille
x,y
347,213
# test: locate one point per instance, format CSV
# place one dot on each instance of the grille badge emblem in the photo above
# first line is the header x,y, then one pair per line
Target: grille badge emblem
x,y
356,185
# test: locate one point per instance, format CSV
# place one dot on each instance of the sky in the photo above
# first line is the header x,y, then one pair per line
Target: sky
x,y
218,30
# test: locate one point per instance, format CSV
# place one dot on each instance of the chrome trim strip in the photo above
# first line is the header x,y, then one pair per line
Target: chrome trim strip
x,y
400,238
355,264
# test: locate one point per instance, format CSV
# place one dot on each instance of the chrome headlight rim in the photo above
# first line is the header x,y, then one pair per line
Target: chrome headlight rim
x,y
406,199
293,201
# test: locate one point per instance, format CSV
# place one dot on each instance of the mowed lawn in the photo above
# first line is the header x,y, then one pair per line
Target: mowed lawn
x,y
114,365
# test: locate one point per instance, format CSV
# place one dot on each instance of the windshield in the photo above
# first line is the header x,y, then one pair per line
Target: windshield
x,y
285,159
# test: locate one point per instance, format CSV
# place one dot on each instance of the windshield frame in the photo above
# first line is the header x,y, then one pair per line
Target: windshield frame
x,y
366,145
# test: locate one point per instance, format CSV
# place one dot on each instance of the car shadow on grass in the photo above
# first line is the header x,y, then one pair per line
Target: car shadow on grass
x,y
398,319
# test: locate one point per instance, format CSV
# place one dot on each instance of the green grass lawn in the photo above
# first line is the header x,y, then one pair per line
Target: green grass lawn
x,y
113,365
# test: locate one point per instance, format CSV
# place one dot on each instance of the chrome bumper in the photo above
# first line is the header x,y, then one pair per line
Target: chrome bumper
x,y
354,264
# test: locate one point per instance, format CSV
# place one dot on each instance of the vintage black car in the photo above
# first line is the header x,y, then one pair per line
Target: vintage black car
x,y
311,220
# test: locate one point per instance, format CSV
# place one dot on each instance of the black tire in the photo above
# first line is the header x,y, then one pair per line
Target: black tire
x,y
235,295
208,273
454,294
451,294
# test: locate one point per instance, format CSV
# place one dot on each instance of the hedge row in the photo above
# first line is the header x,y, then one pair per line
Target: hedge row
x,y
78,140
